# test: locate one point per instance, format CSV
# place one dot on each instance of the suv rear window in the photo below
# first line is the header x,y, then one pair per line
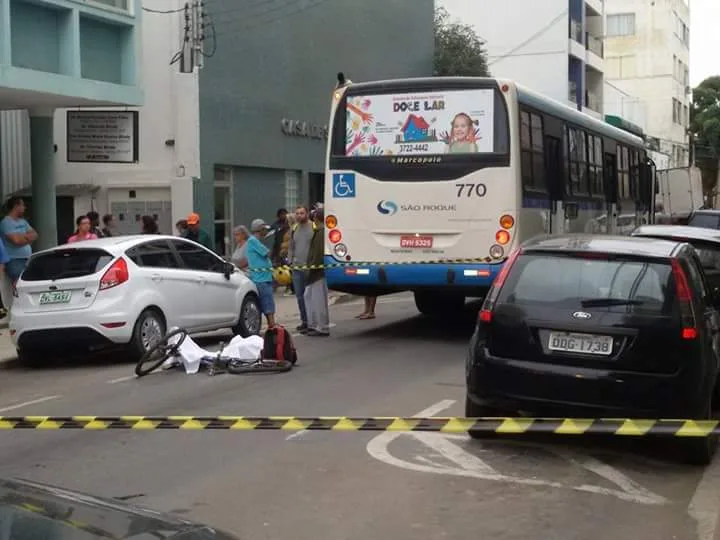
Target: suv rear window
x,y
65,263
599,283
704,221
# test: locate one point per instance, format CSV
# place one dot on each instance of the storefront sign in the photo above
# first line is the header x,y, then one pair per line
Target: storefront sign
x,y
102,136
298,128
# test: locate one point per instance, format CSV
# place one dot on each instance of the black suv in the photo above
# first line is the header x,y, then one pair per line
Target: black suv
x,y
598,326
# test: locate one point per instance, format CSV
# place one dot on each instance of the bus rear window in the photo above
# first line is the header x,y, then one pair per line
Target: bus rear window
x,y
424,123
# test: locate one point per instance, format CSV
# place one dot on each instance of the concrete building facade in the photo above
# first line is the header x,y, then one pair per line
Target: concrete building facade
x,y
265,94
554,47
58,53
647,65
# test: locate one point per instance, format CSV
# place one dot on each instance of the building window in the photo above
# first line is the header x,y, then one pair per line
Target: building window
x,y
621,24
681,30
532,152
117,4
677,112
292,188
686,116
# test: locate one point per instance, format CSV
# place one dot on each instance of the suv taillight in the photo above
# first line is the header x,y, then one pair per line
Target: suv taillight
x,y
684,297
485,315
115,275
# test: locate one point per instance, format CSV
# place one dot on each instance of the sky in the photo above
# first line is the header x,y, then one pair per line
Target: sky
x,y
704,40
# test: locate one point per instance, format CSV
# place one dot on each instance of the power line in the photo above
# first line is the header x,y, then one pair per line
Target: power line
x,y
163,11
530,39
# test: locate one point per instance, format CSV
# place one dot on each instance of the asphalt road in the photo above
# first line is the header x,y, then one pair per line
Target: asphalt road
x,y
310,485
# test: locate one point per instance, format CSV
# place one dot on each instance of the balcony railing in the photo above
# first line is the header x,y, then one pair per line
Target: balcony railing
x,y
593,101
576,31
572,91
595,45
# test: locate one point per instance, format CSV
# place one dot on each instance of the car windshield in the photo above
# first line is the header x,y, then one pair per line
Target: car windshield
x,y
66,263
573,282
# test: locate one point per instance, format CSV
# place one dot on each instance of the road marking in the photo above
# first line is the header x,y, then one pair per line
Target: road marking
x,y
121,379
469,465
27,403
296,435
705,504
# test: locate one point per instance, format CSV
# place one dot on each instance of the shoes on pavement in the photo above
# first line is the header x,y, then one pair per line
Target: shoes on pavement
x,y
315,333
303,329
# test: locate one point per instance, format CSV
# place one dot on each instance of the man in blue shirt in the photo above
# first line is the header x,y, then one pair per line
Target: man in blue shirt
x,y
258,257
17,238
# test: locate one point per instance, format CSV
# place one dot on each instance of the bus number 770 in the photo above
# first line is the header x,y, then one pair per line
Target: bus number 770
x,y
471,190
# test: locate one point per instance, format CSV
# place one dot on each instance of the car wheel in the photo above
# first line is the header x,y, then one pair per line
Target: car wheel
x,y
250,320
473,410
30,358
149,329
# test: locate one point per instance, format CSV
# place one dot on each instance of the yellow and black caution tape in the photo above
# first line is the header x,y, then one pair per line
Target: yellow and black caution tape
x,y
506,426
479,260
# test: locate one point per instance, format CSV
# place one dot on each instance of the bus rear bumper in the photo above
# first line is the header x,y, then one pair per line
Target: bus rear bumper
x,y
374,279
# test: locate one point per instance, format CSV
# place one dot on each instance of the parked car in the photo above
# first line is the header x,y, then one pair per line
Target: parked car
x,y
127,291
705,241
598,326
709,219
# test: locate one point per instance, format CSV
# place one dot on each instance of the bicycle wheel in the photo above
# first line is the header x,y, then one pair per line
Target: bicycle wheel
x,y
156,355
238,367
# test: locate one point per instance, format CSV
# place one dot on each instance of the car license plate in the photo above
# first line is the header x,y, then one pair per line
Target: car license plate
x,y
55,297
580,343
416,241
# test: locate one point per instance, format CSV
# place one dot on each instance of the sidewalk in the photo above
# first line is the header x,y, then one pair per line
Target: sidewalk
x,y
286,307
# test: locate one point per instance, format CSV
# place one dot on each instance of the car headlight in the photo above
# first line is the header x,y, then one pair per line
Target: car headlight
x,y
340,250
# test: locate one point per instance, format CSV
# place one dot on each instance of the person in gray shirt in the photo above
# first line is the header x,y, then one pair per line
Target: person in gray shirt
x,y
298,250
238,257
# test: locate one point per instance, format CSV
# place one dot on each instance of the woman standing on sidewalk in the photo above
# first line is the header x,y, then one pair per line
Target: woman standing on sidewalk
x,y
369,312
83,231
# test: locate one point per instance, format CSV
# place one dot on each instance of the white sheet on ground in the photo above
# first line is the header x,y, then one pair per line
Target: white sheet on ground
x,y
191,353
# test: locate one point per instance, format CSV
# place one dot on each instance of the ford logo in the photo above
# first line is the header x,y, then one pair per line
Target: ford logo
x,y
582,315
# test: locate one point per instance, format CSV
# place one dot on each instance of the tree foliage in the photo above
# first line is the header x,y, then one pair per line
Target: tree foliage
x,y
459,51
705,131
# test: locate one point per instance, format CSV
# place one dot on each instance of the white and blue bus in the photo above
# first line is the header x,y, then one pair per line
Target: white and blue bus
x,y
435,180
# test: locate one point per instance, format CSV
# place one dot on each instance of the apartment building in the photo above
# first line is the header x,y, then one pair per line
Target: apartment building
x,y
554,47
647,63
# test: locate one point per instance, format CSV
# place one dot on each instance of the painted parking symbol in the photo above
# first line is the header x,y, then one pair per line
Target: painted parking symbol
x,y
343,185
457,461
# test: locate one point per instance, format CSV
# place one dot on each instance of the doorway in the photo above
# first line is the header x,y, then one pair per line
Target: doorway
x,y
223,219
316,188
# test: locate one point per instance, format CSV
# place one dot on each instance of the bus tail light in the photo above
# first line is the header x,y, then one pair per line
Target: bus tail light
x,y
496,252
502,237
507,221
340,250
335,236
331,222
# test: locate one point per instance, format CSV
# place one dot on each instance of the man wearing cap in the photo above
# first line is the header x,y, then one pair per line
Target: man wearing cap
x,y
195,233
260,268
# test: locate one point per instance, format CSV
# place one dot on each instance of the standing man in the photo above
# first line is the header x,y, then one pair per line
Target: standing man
x,y
108,225
298,251
17,238
195,233
94,218
280,227
316,291
259,267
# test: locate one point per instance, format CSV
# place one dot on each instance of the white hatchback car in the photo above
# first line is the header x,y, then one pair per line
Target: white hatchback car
x,y
127,290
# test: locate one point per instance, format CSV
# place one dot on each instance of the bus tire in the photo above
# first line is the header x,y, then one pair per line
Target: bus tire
x,y
435,304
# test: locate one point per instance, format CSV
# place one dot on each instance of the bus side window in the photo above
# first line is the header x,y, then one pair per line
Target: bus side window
x,y
595,166
578,162
532,152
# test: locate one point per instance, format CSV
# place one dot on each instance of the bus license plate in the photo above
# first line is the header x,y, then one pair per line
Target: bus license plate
x,y
416,241
55,297
580,343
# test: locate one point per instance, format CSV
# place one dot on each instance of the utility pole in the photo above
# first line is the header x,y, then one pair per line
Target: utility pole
x,y
193,21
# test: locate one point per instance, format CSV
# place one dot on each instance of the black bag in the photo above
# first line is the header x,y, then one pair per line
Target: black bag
x,y
278,345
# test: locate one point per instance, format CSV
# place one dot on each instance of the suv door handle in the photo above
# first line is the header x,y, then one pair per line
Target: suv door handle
x,y
200,281
156,277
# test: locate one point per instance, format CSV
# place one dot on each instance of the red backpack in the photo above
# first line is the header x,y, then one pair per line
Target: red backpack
x,y
278,345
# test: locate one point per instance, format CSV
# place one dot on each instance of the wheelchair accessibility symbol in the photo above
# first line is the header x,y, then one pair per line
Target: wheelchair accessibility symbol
x,y
343,185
